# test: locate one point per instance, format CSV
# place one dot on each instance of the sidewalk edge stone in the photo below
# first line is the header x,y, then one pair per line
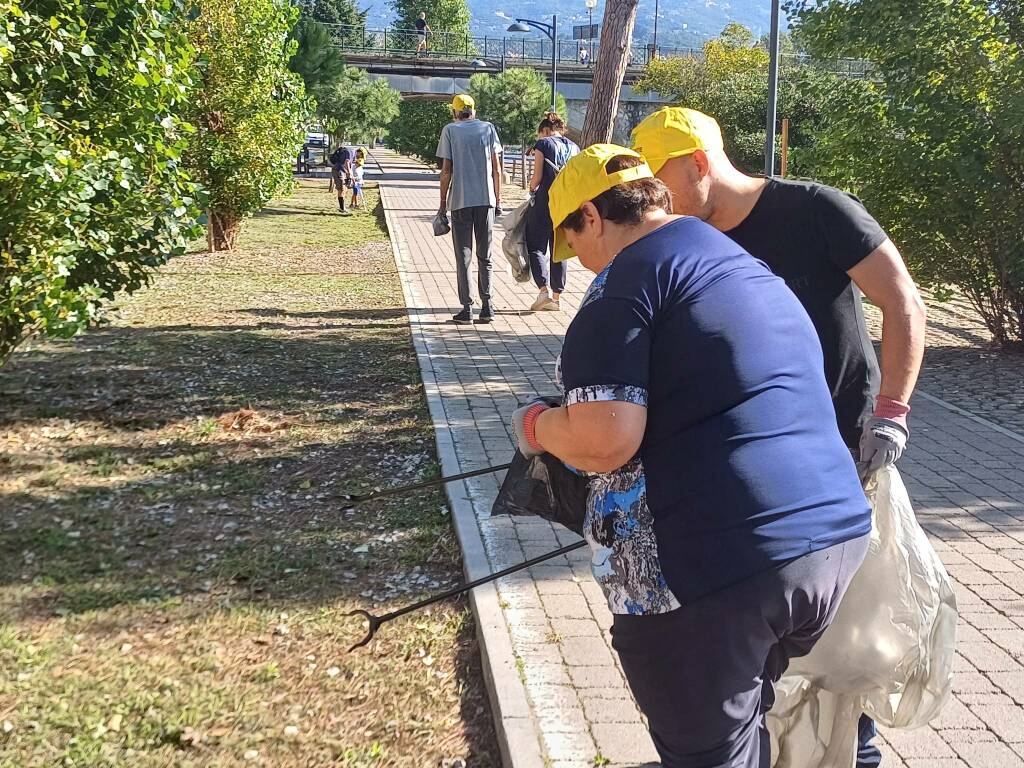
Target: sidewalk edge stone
x,y
972,416
517,732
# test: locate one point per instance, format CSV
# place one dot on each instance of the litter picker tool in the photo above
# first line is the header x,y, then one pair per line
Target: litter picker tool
x,y
358,498
375,622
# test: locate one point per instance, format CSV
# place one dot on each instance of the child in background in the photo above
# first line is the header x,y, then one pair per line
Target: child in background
x,y
357,178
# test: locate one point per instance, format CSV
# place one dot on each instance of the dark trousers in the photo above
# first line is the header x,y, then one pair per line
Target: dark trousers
x,y
704,674
469,224
540,242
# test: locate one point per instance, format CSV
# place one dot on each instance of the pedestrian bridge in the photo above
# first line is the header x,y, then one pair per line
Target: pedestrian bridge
x,y
450,60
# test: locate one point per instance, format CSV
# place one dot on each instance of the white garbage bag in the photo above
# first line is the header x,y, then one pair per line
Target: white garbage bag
x,y
888,653
513,244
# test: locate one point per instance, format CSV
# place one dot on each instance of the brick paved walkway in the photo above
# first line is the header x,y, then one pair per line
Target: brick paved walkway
x,y
558,692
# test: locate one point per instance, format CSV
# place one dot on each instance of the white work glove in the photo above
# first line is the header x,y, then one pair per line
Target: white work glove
x,y
881,443
523,420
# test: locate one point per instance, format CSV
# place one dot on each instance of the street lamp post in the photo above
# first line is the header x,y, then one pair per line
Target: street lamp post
x,y
773,92
654,53
551,30
591,5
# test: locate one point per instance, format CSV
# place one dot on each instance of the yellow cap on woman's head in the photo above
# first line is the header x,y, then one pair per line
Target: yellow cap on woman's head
x,y
583,178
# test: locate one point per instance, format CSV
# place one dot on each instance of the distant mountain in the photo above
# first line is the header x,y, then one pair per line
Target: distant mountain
x,y
681,23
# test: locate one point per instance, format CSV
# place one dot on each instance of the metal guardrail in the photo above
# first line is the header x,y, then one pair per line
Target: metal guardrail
x,y
513,51
523,50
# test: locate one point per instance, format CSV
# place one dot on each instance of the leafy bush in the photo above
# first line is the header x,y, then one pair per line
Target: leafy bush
x,y
936,146
730,82
515,101
418,127
249,111
357,109
93,194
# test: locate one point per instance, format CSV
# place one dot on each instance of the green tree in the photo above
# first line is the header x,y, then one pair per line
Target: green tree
x,y
316,59
935,147
515,101
249,110
92,193
357,109
344,12
418,126
730,82
448,19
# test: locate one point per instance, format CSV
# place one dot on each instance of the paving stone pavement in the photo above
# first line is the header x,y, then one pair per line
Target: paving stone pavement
x,y
546,633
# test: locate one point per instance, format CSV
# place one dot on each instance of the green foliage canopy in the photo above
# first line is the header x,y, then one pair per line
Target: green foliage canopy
x,y
515,101
316,59
730,82
344,12
249,111
936,147
418,127
357,109
92,193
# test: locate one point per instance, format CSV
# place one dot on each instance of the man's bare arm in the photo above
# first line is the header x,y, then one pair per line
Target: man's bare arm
x,y
446,183
496,176
884,279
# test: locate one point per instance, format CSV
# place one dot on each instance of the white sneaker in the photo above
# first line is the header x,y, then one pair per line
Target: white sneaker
x,y
551,305
543,297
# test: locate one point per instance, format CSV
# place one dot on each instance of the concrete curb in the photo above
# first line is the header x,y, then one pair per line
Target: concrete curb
x,y
517,732
973,417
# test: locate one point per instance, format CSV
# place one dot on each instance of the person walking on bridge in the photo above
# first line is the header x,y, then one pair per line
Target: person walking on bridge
x,y
825,245
470,153
422,30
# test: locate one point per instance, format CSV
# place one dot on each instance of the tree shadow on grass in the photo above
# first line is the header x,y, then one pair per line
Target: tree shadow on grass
x,y
145,378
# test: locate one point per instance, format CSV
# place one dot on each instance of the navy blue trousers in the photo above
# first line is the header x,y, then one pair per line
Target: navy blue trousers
x,y
704,673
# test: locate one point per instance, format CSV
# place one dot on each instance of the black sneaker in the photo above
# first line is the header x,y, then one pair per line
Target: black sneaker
x,y
486,315
465,316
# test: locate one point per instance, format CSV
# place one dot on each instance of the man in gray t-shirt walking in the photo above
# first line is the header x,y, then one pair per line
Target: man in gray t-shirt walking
x,y
471,189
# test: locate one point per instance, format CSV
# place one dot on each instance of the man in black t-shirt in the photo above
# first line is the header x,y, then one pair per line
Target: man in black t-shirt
x,y
826,246
422,28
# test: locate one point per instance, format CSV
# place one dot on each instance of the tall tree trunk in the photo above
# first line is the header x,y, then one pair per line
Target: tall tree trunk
x,y
222,231
609,70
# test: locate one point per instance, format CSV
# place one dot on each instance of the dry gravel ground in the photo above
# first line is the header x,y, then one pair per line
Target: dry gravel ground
x,y
174,568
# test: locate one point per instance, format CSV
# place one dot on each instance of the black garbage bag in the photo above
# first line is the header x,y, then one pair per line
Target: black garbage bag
x,y
543,486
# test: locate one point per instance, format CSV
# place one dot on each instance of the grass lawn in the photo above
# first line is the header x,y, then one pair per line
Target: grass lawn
x,y
174,570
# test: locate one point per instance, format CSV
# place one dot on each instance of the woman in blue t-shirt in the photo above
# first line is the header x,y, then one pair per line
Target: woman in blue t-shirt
x,y
724,513
551,152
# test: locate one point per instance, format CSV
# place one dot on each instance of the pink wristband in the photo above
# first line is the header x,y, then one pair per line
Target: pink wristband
x,y
530,425
887,408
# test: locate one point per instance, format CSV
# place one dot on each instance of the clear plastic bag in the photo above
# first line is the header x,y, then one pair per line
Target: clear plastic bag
x,y
888,653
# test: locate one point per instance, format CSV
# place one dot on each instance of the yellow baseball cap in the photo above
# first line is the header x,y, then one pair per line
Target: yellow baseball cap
x,y
462,102
583,178
675,132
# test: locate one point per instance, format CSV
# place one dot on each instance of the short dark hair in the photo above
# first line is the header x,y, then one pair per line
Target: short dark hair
x,y
626,203
553,122
464,114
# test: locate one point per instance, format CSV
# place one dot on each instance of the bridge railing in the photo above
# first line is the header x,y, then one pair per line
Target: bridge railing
x,y
512,51
522,50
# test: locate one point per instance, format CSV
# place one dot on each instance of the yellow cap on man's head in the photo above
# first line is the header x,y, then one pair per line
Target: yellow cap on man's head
x,y
463,102
583,178
675,132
